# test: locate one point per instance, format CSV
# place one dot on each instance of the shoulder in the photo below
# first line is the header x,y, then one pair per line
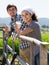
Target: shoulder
x,y
18,16
34,25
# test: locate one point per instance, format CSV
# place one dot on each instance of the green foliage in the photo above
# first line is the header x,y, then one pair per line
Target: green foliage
x,y
10,44
1,42
17,46
1,45
16,43
45,37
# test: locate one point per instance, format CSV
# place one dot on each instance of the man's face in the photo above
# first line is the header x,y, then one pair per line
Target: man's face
x,y
12,11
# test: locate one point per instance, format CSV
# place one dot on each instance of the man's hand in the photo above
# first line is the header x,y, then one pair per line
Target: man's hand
x,y
6,30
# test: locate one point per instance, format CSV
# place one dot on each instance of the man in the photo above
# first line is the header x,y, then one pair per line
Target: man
x,y
12,11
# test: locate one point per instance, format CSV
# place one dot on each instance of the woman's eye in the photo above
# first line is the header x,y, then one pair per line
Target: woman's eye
x,y
23,15
26,14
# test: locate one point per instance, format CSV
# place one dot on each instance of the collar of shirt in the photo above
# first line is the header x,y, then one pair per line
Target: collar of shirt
x,y
14,20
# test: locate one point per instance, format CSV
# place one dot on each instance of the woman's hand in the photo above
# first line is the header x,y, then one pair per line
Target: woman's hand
x,y
17,28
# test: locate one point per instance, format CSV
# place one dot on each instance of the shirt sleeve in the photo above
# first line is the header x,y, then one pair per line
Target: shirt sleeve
x,y
34,26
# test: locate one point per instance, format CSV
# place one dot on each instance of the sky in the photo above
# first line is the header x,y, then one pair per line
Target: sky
x,y
40,7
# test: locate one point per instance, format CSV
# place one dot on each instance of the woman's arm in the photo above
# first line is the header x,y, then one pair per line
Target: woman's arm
x,y
26,31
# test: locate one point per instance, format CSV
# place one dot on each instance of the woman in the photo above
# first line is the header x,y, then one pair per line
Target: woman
x,y
32,29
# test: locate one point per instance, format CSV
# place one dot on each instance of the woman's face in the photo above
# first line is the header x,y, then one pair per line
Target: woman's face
x,y
26,16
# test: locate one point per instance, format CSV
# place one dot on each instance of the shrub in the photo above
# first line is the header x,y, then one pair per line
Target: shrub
x,y
10,44
45,37
16,43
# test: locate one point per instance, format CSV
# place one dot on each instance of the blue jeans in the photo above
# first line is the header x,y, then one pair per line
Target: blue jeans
x,y
37,59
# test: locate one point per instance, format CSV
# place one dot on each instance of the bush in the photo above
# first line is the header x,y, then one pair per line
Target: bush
x,y
10,44
1,45
45,37
16,43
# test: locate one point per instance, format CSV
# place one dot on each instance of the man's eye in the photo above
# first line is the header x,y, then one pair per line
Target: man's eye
x,y
11,9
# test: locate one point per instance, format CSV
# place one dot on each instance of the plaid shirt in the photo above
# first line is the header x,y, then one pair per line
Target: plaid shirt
x,y
24,44
17,18
23,26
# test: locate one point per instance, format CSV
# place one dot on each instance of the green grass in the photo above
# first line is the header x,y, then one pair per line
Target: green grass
x,y
16,42
45,37
9,43
1,42
1,33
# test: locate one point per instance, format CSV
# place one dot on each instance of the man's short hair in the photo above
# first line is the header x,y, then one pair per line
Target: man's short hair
x,y
9,6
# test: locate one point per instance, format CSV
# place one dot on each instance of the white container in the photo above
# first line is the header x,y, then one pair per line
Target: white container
x,y
18,23
9,28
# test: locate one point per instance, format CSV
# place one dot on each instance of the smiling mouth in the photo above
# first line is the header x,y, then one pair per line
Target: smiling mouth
x,y
26,18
